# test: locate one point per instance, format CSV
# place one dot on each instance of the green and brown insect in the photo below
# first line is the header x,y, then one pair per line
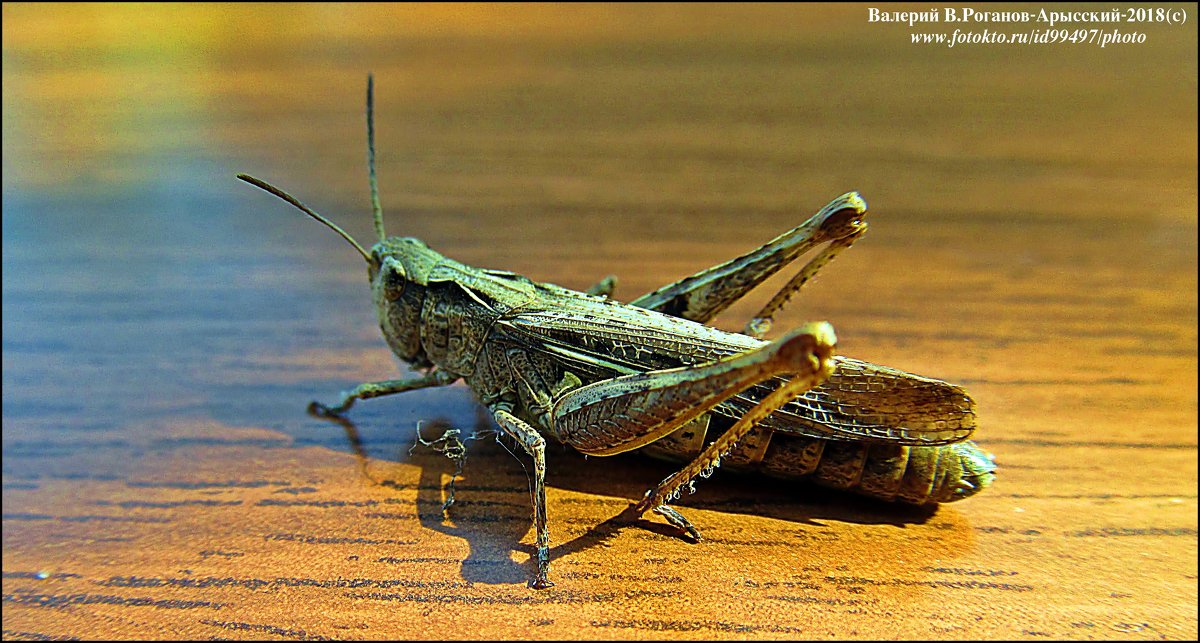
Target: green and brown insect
x,y
607,377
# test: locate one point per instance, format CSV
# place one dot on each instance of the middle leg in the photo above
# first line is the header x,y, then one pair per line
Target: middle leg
x,y
535,445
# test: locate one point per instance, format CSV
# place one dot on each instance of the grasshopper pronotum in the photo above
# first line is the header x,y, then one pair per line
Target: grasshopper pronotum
x,y
606,377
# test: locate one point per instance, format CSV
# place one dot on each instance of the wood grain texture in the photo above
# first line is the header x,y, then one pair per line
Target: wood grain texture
x,y
1033,238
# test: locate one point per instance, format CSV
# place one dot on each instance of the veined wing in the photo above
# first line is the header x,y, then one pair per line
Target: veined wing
x,y
865,401
605,338
860,401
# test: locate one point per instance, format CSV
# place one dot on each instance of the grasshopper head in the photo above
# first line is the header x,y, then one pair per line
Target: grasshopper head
x,y
399,269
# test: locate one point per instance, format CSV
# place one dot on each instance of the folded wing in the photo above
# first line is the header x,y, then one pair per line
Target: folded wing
x,y
860,401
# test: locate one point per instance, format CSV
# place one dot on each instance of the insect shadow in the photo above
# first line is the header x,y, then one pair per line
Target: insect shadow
x,y
486,501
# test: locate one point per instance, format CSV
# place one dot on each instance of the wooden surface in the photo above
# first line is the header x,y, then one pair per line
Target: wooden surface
x,y
1033,215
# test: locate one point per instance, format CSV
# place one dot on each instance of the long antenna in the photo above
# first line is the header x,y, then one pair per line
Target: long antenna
x,y
259,183
376,208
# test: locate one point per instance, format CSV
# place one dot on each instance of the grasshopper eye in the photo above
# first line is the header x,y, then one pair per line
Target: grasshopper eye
x,y
393,278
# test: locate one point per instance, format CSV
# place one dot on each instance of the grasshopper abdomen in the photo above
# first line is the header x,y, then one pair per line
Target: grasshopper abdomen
x,y
916,475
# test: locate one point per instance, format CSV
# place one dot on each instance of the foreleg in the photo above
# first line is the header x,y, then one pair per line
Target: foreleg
x,y
378,389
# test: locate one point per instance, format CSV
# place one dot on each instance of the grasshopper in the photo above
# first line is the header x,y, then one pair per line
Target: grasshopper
x,y
607,377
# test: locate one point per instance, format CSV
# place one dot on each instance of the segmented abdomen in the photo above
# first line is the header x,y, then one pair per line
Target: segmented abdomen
x,y
914,475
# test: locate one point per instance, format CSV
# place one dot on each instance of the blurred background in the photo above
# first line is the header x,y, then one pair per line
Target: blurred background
x,y
1033,214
